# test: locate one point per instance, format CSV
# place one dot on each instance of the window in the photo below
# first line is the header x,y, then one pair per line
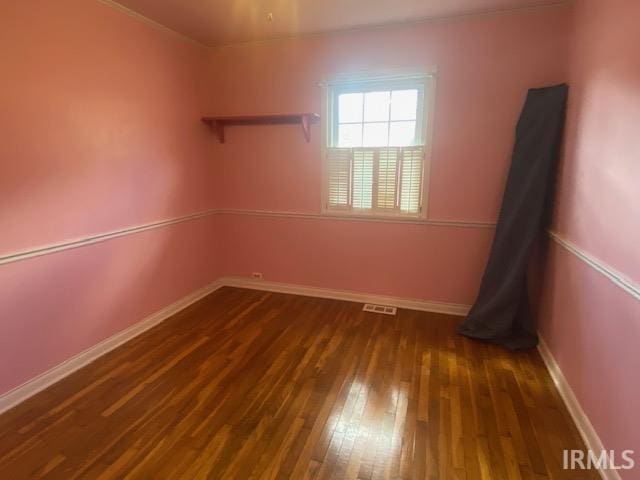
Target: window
x,y
376,145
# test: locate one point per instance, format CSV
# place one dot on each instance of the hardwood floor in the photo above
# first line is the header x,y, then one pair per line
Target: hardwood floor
x,y
248,384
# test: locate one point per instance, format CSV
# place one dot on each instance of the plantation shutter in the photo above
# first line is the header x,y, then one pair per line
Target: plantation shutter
x,y
411,183
384,180
339,177
387,178
362,196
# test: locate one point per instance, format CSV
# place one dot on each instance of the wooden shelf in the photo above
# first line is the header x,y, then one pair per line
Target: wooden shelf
x,y
305,120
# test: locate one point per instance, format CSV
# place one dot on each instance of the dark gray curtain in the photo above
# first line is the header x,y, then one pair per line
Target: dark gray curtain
x,y
501,312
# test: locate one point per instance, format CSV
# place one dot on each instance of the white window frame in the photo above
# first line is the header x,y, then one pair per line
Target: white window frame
x,y
422,79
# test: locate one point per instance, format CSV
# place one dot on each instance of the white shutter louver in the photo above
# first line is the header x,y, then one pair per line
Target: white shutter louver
x,y
411,179
339,178
362,191
387,178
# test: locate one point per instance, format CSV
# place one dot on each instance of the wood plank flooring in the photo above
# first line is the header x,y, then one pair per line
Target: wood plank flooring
x,y
256,385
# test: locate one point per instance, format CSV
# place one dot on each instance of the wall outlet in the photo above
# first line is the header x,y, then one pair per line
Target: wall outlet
x,y
257,275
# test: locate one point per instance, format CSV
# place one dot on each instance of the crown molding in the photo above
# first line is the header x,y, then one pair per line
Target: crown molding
x,y
144,19
363,28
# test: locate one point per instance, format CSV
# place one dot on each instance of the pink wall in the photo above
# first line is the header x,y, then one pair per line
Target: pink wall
x,y
599,194
99,109
592,328
591,325
100,131
352,255
58,305
485,65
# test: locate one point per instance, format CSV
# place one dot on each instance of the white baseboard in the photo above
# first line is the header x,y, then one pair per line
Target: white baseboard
x,y
57,373
347,295
587,432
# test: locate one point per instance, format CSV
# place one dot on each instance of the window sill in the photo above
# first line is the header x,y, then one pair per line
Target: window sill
x,y
348,214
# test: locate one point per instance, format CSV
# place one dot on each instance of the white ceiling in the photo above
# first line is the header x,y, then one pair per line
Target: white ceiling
x,y
219,22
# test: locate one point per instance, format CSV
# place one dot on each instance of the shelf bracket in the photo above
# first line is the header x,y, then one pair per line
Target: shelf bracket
x,y
306,129
218,128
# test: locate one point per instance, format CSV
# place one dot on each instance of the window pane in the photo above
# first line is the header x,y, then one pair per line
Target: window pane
x,y
350,135
404,104
376,106
402,134
350,107
376,134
